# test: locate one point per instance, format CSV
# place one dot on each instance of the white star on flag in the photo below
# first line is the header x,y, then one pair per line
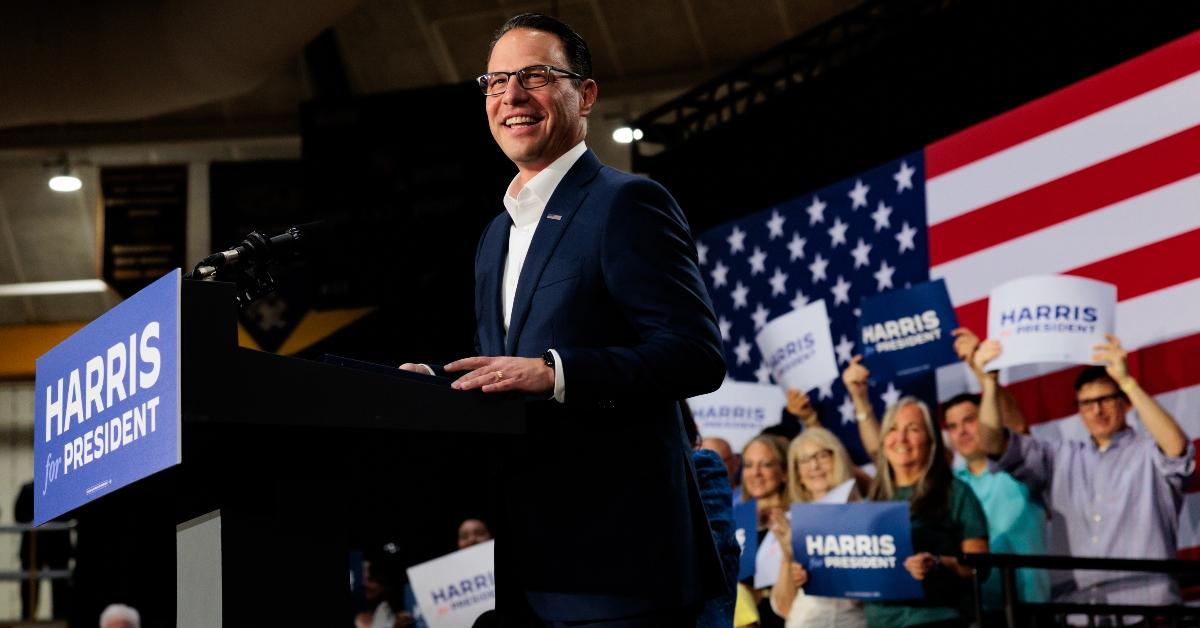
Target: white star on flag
x,y
845,350
884,276
904,177
862,254
818,268
739,296
841,291
702,253
757,262
763,373
760,316
891,395
905,238
837,233
825,391
736,240
725,326
719,274
883,217
847,410
816,211
796,246
800,300
775,225
859,194
778,282
743,351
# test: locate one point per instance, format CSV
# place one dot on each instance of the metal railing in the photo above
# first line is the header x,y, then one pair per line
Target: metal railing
x,y
1029,614
33,575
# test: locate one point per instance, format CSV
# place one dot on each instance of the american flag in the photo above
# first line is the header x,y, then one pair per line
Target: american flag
x,y
1100,179
841,243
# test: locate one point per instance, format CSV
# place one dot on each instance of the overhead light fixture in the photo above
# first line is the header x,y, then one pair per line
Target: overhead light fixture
x,y
52,288
626,135
64,179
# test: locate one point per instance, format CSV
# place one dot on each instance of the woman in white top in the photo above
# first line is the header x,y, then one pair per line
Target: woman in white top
x,y
817,465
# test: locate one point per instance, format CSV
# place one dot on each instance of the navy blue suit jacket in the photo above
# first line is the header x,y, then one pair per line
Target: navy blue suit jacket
x,y
604,514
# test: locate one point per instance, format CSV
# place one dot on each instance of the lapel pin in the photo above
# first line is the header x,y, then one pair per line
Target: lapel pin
x,y
554,216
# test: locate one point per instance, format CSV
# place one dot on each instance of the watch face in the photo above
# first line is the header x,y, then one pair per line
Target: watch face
x,y
548,358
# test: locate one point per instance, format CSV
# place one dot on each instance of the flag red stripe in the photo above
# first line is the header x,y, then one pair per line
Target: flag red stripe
x,y
1136,272
1136,76
1135,172
1158,368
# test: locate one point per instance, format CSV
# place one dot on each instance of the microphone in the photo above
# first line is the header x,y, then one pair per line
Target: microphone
x,y
258,249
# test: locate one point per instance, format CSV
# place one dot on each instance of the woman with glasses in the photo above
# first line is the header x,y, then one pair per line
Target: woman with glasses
x,y
819,469
764,479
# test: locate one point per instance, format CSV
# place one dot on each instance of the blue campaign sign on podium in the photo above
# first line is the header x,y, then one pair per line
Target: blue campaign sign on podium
x,y
107,407
855,550
907,332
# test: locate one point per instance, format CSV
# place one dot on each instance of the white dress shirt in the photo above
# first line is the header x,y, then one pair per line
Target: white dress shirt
x,y
526,210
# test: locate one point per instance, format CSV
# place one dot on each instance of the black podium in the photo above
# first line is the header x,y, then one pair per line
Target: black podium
x,y
303,460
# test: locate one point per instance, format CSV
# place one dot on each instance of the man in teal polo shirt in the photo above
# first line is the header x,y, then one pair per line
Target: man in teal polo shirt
x,y
1016,520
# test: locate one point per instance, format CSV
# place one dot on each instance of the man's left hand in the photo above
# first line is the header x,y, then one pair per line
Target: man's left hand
x,y
503,374
1113,356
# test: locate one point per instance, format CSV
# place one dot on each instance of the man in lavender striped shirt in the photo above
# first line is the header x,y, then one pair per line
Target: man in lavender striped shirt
x,y
1117,495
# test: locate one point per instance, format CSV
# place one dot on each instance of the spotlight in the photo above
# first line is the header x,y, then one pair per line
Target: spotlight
x,y
626,135
65,183
63,179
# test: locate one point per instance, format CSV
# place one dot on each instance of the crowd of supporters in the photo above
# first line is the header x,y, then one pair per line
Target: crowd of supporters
x,y
976,481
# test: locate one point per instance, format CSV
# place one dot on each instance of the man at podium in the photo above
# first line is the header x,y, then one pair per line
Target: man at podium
x,y
588,300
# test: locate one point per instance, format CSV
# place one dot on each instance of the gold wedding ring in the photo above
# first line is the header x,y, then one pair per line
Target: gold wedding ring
x,y
499,375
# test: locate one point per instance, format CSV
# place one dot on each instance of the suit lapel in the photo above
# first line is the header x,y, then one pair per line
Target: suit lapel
x,y
492,254
564,202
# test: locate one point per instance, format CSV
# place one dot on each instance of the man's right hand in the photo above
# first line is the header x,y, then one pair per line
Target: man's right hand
x,y
988,350
416,368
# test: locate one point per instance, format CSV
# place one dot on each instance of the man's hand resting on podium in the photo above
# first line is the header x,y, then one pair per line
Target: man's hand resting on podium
x,y
503,374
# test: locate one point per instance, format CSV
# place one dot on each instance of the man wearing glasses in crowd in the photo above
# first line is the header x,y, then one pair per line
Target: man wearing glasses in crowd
x,y
589,302
1118,495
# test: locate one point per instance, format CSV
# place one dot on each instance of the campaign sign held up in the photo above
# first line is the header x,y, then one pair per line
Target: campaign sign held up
x,y
745,529
454,590
106,402
799,349
855,550
1050,319
737,411
907,332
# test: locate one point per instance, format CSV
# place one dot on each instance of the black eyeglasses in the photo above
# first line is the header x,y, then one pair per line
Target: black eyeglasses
x,y
532,77
1094,404
821,457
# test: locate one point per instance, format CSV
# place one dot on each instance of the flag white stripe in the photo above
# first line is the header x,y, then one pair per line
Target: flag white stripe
x,y
1120,227
1156,114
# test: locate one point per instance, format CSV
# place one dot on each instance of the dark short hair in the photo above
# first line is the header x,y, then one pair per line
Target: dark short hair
x,y
954,401
1093,374
579,57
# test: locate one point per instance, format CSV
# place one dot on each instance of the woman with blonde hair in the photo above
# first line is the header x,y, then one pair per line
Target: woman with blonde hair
x,y
818,469
764,479
947,519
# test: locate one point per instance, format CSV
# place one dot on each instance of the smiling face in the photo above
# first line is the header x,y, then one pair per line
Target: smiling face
x,y
907,445
1102,408
536,126
815,466
962,424
762,471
